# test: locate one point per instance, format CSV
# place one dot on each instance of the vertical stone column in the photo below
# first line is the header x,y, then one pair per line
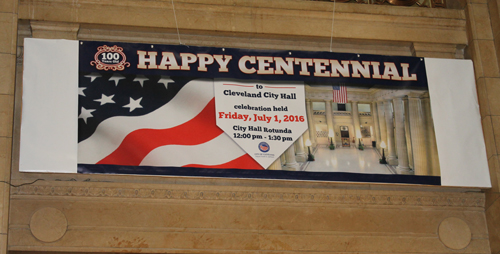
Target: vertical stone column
x,y
291,164
403,166
381,120
407,132
276,165
300,154
391,148
355,122
432,152
310,123
329,119
483,28
8,51
376,123
417,135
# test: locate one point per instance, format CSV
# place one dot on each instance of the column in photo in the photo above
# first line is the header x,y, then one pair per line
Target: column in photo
x,y
376,124
355,122
417,134
300,154
431,137
391,148
310,122
407,133
329,119
276,165
291,164
403,165
381,120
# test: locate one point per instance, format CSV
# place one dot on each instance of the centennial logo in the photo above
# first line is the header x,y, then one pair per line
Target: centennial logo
x,y
264,147
110,58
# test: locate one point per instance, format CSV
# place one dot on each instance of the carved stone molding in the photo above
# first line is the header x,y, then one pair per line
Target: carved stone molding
x,y
343,197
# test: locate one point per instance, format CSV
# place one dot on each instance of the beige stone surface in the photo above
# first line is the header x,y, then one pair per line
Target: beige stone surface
x,y
489,137
51,30
494,167
493,218
454,233
493,89
480,21
488,58
482,94
8,30
7,73
5,153
287,17
436,50
8,6
207,218
495,120
48,224
6,115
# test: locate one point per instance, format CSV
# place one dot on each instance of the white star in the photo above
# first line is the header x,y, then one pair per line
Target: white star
x,y
116,78
140,79
105,99
93,76
133,104
86,113
165,80
80,91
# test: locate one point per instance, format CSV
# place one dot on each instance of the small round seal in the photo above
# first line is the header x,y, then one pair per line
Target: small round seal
x,y
264,147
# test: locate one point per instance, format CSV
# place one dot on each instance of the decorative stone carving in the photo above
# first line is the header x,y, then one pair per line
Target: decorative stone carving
x,y
336,197
454,233
48,224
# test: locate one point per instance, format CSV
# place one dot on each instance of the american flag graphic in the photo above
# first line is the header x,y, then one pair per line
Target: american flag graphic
x,y
137,120
339,94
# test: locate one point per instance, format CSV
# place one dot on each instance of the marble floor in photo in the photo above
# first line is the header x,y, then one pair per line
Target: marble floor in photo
x,y
347,159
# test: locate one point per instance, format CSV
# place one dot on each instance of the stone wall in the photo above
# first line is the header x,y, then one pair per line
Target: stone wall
x,y
113,213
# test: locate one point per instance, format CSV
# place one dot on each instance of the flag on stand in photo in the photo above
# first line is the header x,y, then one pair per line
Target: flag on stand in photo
x,y
339,94
159,121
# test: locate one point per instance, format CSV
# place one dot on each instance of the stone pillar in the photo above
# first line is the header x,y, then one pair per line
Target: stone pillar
x,y
431,137
417,135
407,133
381,121
8,53
391,148
329,119
355,122
403,166
291,164
276,165
310,123
300,155
376,123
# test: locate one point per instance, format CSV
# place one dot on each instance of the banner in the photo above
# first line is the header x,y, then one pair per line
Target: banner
x,y
221,112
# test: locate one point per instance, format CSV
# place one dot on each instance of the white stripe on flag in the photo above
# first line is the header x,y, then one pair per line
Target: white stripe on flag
x,y
217,151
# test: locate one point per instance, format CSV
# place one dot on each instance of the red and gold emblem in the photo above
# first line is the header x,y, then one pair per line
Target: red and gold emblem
x,y
110,58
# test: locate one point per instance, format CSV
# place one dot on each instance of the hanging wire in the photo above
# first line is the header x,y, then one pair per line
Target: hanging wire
x,y
333,19
176,25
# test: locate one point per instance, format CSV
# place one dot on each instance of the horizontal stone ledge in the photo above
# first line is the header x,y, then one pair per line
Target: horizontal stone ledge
x,y
363,22
333,197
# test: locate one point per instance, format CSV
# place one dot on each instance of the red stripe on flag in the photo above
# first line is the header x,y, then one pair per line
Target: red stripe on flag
x,y
137,144
242,162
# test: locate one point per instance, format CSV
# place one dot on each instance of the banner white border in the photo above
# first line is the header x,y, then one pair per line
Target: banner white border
x,y
457,123
49,130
